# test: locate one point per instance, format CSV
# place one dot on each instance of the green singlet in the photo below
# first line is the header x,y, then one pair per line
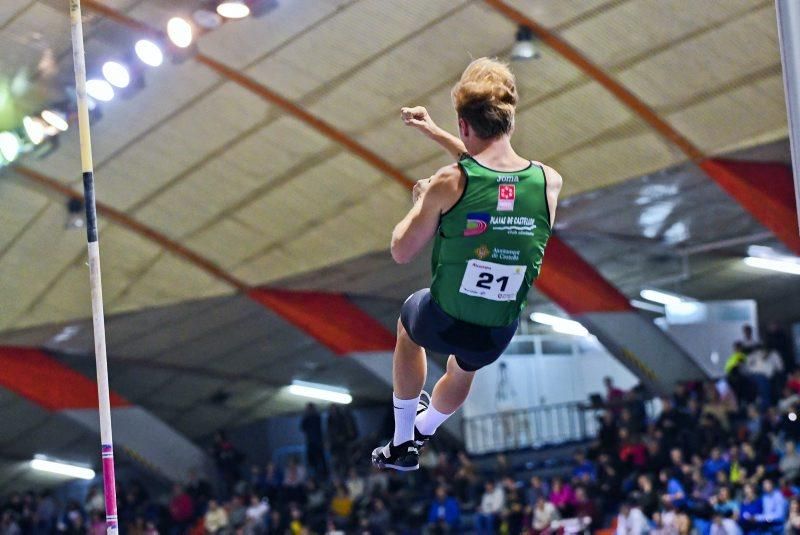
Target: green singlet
x,y
490,245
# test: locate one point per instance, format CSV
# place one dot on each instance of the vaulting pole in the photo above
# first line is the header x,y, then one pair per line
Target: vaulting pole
x,y
789,36
107,448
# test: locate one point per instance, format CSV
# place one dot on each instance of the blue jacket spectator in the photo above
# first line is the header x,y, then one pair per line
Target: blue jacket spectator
x,y
444,511
715,465
774,505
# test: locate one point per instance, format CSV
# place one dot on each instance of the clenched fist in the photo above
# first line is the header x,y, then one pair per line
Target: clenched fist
x,y
418,117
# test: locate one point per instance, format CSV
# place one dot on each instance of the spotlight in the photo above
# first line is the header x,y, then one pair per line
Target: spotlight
x,y
560,325
74,215
658,296
9,146
149,52
55,119
180,32
62,469
207,19
322,392
117,74
789,265
524,48
233,9
99,90
34,129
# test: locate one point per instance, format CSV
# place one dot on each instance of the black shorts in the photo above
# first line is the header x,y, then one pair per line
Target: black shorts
x,y
474,346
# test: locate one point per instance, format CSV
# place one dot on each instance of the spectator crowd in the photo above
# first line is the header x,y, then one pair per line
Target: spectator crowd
x,y
716,458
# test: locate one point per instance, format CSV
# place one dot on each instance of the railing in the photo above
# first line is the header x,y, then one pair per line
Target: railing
x,y
530,428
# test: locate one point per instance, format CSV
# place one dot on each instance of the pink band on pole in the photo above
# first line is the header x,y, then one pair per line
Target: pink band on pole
x,y
110,489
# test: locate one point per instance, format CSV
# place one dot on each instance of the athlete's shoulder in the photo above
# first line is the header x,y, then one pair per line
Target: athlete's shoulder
x,y
446,186
447,179
554,179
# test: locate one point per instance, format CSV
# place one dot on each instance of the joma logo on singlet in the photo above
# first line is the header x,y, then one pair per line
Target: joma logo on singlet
x,y
507,179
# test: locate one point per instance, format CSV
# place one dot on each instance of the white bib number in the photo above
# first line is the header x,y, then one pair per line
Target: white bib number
x,y
496,282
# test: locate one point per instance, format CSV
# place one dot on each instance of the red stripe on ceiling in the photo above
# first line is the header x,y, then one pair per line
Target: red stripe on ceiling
x,y
43,380
574,285
331,319
765,190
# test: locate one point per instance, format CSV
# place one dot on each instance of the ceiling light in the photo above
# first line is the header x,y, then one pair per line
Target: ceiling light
x,y
787,265
117,74
657,296
207,19
9,146
149,52
34,129
63,469
100,90
55,119
233,9
524,47
650,307
560,325
180,32
321,392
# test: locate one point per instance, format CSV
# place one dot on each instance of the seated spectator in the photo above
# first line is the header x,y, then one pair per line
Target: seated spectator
x,y
715,464
537,489
562,496
702,489
722,525
444,514
646,496
492,503
237,513
355,485
751,512
762,365
774,508
380,518
181,509
513,513
724,505
216,519
341,506
585,507
583,466
256,516
675,494
793,524
631,520
544,514
789,464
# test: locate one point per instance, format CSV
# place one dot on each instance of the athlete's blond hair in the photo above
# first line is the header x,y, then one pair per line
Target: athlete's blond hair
x,y
486,97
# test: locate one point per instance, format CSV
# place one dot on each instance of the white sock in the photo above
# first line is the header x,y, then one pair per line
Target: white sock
x,y
429,421
405,410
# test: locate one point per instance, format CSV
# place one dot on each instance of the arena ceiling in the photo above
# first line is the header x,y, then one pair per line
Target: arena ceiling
x,y
275,157
222,169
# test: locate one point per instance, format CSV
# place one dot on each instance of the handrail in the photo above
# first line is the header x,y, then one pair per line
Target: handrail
x,y
530,428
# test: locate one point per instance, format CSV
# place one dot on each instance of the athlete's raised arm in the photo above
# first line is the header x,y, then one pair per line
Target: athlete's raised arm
x,y
432,197
419,118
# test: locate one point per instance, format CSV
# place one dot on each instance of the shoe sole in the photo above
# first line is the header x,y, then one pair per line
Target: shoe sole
x,y
399,468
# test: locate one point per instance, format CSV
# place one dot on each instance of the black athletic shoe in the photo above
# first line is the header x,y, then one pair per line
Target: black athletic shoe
x,y
404,457
424,402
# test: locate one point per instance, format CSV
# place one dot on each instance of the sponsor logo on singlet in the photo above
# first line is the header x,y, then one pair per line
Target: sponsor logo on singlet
x,y
516,225
477,223
482,252
506,194
507,179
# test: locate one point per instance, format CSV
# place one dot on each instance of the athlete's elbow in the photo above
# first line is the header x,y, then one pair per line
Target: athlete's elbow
x,y
400,256
400,252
